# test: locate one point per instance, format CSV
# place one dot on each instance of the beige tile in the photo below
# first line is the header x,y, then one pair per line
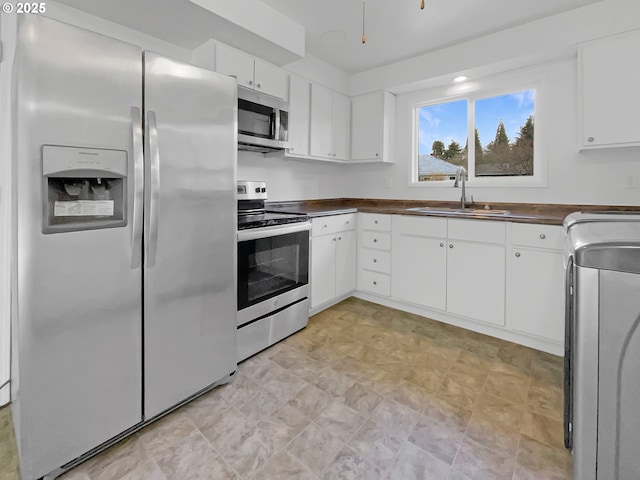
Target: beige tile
x,y
315,447
361,399
456,392
413,463
517,356
511,386
118,460
429,379
311,401
206,410
478,462
538,457
283,466
543,429
349,465
523,473
499,411
283,425
147,471
333,382
282,384
375,444
499,439
193,459
228,430
470,363
395,418
250,452
340,421
163,433
545,400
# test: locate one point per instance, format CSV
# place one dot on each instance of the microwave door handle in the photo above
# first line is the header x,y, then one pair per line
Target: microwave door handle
x,y
154,190
275,123
138,187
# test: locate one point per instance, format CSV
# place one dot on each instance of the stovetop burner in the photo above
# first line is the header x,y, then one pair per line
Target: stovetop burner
x,y
268,219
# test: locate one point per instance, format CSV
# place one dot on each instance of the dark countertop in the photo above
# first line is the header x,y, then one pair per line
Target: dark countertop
x,y
539,213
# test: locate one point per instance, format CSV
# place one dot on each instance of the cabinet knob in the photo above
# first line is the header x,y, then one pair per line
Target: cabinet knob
x,y
442,244
334,239
451,245
259,85
377,154
329,154
324,226
347,222
375,240
590,139
375,283
542,236
518,254
375,221
250,82
375,260
339,238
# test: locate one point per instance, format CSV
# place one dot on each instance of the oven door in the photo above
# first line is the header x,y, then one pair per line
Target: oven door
x,y
271,262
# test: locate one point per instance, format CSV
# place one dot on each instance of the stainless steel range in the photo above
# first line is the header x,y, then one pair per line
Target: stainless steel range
x,y
273,271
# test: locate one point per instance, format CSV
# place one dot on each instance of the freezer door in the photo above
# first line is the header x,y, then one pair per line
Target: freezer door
x,y
190,231
77,332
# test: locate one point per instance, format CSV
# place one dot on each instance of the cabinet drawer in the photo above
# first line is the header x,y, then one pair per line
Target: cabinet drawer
x,y
477,231
332,224
375,282
540,236
374,221
377,240
420,226
375,260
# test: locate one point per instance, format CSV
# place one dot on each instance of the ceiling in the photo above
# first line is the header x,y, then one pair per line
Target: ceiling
x,y
395,29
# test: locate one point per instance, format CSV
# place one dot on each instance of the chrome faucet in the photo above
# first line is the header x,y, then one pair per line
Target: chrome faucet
x,y
461,173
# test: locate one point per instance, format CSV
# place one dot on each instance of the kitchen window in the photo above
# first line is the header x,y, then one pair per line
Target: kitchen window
x,y
491,135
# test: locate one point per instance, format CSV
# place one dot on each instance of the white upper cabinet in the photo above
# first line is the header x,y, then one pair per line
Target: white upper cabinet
x,y
299,111
329,124
609,97
372,127
251,72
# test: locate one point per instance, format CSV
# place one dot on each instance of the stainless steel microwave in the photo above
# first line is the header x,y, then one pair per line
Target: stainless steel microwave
x,y
263,122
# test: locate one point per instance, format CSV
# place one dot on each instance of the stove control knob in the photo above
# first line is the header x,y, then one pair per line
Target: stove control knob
x,y
257,189
264,189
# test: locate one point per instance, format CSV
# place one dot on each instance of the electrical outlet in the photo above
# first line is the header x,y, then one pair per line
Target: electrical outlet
x,y
387,182
631,181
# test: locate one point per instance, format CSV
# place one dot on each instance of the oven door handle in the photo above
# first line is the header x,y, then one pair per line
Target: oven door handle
x,y
265,232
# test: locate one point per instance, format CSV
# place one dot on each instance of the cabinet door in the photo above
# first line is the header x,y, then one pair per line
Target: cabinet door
x,y
271,80
320,129
341,124
299,110
419,270
610,74
236,64
323,269
366,126
346,254
476,281
535,293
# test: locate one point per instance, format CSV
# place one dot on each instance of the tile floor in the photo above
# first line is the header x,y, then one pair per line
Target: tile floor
x,y
364,392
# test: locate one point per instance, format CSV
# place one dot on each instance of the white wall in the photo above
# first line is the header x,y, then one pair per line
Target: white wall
x,y
595,177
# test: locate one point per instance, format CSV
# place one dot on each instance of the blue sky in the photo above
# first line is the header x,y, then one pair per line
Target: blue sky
x,y
448,121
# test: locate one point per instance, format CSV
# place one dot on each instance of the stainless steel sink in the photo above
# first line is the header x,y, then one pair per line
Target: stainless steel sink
x,y
460,211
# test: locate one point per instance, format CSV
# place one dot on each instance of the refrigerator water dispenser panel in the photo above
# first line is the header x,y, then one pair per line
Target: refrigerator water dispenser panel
x,y
84,188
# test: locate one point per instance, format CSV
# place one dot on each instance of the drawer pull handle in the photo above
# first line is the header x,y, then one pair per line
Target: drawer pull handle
x,y
375,221
517,254
375,240
375,260
442,244
339,238
375,283
324,226
590,139
451,245
334,239
347,222
542,236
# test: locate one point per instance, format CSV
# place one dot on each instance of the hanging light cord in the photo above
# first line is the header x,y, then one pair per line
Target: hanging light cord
x,y
364,37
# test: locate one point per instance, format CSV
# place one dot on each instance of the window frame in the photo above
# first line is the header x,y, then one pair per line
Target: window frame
x,y
472,92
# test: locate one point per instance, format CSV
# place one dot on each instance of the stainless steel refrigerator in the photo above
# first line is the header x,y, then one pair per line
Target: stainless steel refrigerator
x,y
124,284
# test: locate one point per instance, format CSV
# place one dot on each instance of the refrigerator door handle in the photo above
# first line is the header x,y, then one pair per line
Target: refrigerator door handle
x,y
138,187
154,190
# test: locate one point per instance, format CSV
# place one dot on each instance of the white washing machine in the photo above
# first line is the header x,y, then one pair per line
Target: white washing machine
x,y
602,345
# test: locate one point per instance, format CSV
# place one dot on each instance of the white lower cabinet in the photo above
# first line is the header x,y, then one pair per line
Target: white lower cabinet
x,y
419,261
333,258
476,280
439,264
535,290
374,253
